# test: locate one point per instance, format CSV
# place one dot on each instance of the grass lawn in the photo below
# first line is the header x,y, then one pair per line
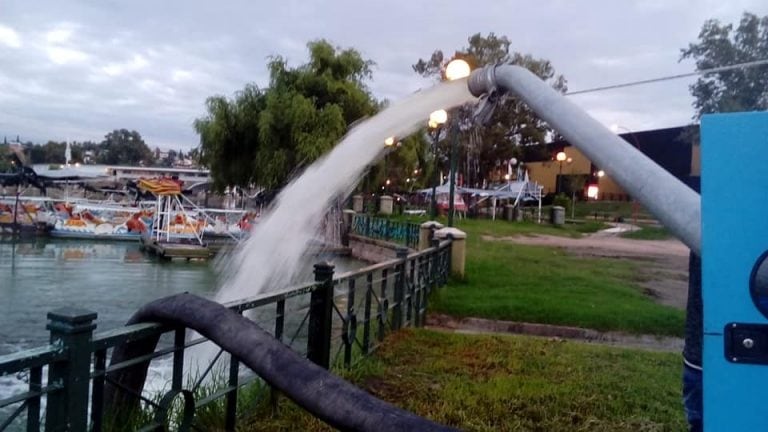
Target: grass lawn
x,y
546,285
648,233
625,209
513,383
502,227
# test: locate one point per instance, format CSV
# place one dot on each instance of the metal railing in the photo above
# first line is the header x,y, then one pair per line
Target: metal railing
x,y
334,322
406,233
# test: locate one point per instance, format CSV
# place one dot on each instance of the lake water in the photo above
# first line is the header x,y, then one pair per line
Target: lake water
x,y
111,279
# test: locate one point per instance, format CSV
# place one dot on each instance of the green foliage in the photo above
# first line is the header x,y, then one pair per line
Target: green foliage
x,y
5,161
122,146
611,210
119,147
513,383
720,45
512,125
564,201
264,136
407,166
547,285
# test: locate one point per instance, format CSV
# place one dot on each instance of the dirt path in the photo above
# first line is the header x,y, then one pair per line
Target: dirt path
x,y
663,264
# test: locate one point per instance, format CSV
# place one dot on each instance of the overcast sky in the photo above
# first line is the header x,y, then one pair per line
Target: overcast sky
x,y
78,69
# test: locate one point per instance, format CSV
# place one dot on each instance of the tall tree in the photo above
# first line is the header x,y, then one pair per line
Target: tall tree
x,y
744,89
5,158
124,147
513,124
265,136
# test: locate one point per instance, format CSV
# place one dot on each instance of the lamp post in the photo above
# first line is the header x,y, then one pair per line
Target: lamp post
x,y
436,120
615,128
561,157
456,69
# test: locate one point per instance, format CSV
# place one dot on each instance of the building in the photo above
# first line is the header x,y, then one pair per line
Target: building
x,y
671,148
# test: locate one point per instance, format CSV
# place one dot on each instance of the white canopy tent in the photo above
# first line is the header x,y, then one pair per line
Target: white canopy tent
x,y
522,190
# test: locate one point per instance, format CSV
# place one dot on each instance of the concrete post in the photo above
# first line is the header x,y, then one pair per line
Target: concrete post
x,y
385,205
458,249
357,203
425,233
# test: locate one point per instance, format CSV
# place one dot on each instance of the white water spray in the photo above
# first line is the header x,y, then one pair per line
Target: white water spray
x,y
272,255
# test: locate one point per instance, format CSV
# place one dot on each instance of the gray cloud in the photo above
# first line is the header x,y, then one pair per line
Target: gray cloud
x,y
75,70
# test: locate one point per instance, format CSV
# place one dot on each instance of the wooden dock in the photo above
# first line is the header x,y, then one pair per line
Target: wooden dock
x,y
173,250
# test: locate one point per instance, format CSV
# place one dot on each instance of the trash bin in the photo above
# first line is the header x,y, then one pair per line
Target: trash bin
x,y
557,216
509,212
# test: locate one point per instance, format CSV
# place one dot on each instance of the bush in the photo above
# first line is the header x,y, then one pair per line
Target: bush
x,y
564,201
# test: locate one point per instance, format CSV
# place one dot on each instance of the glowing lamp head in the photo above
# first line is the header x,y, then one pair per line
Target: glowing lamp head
x,y
561,156
592,191
457,69
389,142
601,173
438,117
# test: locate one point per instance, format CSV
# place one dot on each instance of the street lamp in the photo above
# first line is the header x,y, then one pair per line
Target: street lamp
x,y
456,69
436,120
561,157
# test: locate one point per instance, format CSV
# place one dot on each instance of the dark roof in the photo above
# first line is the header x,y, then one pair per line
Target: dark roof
x,y
670,148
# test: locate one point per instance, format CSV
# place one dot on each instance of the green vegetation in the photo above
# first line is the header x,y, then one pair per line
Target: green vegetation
x,y
513,128
119,147
511,383
546,285
648,233
264,136
503,228
611,210
720,45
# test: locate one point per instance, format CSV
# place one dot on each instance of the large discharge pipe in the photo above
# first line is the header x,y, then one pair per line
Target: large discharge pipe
x,y
324,395
676,205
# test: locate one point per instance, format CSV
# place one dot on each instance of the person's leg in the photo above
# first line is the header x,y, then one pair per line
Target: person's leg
x,y
692,397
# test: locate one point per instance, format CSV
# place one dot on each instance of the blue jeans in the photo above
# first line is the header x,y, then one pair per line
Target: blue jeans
x,y
692,397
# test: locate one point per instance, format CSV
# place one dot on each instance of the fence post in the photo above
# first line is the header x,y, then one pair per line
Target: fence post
x,y
426,233
397,310
320,316
434,274
458,249
72,329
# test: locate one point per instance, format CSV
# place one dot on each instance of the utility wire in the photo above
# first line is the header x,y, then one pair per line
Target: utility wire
x,y
673,77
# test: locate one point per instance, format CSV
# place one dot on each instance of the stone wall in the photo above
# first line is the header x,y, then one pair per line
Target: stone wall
x,y
372,250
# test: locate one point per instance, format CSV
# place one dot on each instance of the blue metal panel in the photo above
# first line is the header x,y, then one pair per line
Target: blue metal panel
x,y
734,186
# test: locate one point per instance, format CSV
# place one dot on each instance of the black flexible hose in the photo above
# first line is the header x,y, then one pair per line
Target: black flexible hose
x,y
322,394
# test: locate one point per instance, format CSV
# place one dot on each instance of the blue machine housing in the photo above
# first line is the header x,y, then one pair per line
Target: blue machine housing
x,y
734,202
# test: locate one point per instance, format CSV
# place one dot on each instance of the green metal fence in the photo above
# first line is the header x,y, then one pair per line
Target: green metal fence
x,y
334,322
406,233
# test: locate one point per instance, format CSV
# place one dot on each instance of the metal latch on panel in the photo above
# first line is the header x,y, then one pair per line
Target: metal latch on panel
x,y
746,343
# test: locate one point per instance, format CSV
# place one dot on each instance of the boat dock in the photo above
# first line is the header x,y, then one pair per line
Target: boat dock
x,y
171,250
